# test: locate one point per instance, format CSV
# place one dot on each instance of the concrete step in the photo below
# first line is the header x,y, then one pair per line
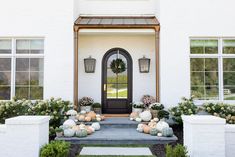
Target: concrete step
x,y
118,122
107,136
123,151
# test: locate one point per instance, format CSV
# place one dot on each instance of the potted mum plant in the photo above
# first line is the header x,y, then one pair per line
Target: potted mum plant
x,y
59,132
155,108
86,103
96,108
137,107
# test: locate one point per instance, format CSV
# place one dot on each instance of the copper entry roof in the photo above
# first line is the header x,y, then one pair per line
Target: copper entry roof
x,y
116,21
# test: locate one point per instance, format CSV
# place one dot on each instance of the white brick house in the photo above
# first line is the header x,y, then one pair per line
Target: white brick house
x,y
39,58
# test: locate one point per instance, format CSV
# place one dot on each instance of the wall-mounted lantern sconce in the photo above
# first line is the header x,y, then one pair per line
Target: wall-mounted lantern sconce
x,y
144,65
89,64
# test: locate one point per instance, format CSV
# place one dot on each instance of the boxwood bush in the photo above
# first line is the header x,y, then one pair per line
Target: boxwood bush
x,y
55,149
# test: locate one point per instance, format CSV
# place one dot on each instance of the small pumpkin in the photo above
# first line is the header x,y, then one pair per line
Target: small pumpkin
x,y
146,116
81,133
89,130
167,132
159,134
81,118
153,131
98,119
96,126
161,125
102,117
134,115
69,132
92,115
138,119
82,126
147,129
87,119
69,123
76,128
152,124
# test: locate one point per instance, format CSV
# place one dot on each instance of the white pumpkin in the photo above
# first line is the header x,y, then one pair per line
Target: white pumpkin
x,y
98,119
96,126
138,119
161,125
140,125
140,129
82,126
69,132
155,119
146,116
131,119
71,113
83,112
159,134
69,123
93,130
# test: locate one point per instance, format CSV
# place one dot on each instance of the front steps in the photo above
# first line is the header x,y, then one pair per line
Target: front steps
x,y
116,131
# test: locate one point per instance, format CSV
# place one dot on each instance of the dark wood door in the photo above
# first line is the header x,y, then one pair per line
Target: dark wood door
x,y
116,87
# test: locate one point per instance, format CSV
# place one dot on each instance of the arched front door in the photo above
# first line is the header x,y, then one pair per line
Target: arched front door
x,y
116,82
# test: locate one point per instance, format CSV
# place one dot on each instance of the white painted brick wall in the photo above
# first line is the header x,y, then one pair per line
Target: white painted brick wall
x,y
204,136
23,136
230,140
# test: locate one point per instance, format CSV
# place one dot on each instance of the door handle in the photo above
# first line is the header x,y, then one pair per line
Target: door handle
x,y
104,87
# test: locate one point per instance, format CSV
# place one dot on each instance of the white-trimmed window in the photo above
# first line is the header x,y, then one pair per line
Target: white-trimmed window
x,y
212,68
21,68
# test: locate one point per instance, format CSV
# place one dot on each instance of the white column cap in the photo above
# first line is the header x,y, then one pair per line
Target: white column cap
x,y
27,120
203,119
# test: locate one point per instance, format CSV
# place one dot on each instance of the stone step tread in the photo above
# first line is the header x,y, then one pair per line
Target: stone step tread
x,y
120,136
143,151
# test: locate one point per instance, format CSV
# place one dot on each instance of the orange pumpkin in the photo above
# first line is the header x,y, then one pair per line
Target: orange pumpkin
x,y
89,130
147,129
81,118
87,119
134,115
92,115
102,117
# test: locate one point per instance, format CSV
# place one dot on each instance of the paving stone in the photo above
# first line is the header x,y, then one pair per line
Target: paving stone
x,y
115,151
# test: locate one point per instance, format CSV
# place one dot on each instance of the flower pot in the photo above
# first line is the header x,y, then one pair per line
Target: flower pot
x,y
59,134
154,113
86,108
97,110
138,110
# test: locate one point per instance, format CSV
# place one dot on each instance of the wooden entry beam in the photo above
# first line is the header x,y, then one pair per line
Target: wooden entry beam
x,y
76,38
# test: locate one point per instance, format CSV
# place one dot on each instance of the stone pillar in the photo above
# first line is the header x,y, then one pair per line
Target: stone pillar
x,y
204,136
23,136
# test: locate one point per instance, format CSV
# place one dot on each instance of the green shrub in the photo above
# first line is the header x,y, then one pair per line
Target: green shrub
x,y
186,107
177,151
55,108
55,149
225,111
96,105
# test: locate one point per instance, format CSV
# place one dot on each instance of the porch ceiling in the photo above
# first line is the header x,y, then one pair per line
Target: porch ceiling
x,y
117,22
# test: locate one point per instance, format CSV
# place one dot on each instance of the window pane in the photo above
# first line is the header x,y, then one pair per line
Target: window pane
x,y
5,78
22,46
197,79
111,76
211,64
5,46
204,46
5,92
212,93
22,92
122,91
229,46
22,78
22,64
229,78
36,92
36,64
5,64
111,91
204,78
122,77
37,46
36,78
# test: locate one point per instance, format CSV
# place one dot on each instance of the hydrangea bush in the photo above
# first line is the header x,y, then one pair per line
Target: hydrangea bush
x,y
86,101
148,99
137,105
221,110
55,108
156,106
186,107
